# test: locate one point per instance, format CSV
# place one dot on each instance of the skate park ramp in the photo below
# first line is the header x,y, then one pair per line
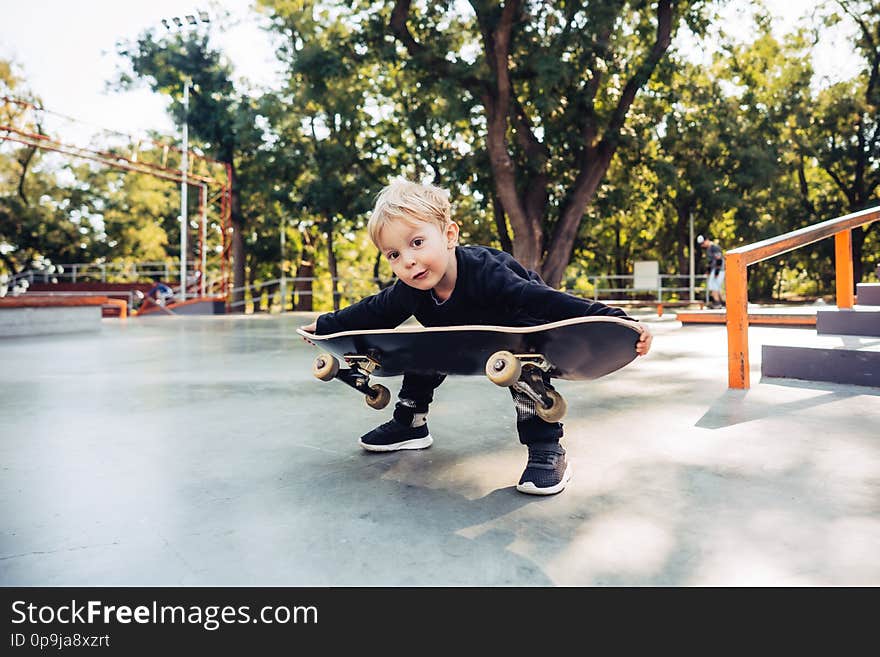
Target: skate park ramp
x,y
201,451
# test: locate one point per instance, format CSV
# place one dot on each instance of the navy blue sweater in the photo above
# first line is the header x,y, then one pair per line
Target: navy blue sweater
x,y
491,288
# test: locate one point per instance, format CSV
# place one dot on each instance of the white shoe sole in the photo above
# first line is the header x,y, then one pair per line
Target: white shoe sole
x,y
418,443
530,489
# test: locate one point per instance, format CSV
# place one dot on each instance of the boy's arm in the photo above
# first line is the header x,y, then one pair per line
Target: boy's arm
x,y
385,309
540,300
554,305
543,301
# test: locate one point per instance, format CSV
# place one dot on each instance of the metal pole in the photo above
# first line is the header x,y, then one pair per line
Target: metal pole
x,y
737,321
184,165
203,201
691,255
843,269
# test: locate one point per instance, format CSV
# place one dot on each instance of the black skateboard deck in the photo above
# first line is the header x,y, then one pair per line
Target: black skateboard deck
x,y
520,357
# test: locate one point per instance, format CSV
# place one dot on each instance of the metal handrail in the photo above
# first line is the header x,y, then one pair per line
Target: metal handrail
x,y
736,262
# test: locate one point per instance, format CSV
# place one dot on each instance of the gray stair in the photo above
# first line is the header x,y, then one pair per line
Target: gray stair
x,y
868,294
861,320
833,359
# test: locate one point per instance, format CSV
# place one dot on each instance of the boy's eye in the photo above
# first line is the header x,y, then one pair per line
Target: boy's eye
x,y
392,255
418,241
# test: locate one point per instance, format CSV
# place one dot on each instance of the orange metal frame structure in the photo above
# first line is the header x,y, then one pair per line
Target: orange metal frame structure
x,y
198,173
736,262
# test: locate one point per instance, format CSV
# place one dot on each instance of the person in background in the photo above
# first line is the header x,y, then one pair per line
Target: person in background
x,y
714,270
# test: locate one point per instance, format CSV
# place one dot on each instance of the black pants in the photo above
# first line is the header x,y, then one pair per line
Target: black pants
x,y
417,393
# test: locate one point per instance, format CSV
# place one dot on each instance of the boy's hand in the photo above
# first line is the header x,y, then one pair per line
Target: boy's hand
x,y
310,328
643,346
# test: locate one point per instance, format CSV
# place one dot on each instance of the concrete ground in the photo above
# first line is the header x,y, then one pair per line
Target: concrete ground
x,y
200,451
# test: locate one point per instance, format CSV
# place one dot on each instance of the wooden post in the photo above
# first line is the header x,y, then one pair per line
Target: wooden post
x,y
843,268
737,321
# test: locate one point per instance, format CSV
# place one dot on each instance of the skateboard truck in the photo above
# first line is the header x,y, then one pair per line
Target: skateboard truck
x,y
524,372
326,368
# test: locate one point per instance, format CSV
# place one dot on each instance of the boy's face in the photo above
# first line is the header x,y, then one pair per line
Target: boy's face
x,y
420,252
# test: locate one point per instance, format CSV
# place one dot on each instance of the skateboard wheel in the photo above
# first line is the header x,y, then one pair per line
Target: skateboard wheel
x,y
556,411
325,367
503,369
378,397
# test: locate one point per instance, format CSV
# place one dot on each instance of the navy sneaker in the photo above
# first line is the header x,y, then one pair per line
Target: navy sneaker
x,y
394,435
547,471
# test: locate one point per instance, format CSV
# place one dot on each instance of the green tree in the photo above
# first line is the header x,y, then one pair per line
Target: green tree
x,y
840,133
554,85
768,87
43,221
327,127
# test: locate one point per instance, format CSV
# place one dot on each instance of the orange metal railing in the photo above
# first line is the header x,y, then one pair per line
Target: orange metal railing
x,y
736,262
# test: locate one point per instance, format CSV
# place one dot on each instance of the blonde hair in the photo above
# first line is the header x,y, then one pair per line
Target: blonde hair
x,y
411,202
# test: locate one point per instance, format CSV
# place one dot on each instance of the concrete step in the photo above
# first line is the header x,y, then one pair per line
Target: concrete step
x,y
868,294
830,358
29,315
860,320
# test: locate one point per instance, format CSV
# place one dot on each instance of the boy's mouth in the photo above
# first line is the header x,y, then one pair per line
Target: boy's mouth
x,y
420,275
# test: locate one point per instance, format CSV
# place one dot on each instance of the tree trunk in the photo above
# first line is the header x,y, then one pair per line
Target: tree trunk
x,y
523,194
256,295
858,243
331,265
238,250
682,239
597,158
303,289
562,243
380,284
501,224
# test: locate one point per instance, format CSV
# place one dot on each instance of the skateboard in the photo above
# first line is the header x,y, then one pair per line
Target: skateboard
x,y
516,357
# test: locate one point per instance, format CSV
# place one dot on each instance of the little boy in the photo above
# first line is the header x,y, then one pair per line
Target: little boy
x,y
443,284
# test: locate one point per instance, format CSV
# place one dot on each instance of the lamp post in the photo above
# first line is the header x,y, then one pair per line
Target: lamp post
x,y
177,23
184,166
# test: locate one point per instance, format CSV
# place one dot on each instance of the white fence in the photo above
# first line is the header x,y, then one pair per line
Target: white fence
x,y
277,293
84,271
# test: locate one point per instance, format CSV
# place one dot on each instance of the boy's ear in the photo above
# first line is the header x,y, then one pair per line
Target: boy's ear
x,y
451,234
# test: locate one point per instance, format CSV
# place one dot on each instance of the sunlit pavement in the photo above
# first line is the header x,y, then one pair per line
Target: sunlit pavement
x,y
201,451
